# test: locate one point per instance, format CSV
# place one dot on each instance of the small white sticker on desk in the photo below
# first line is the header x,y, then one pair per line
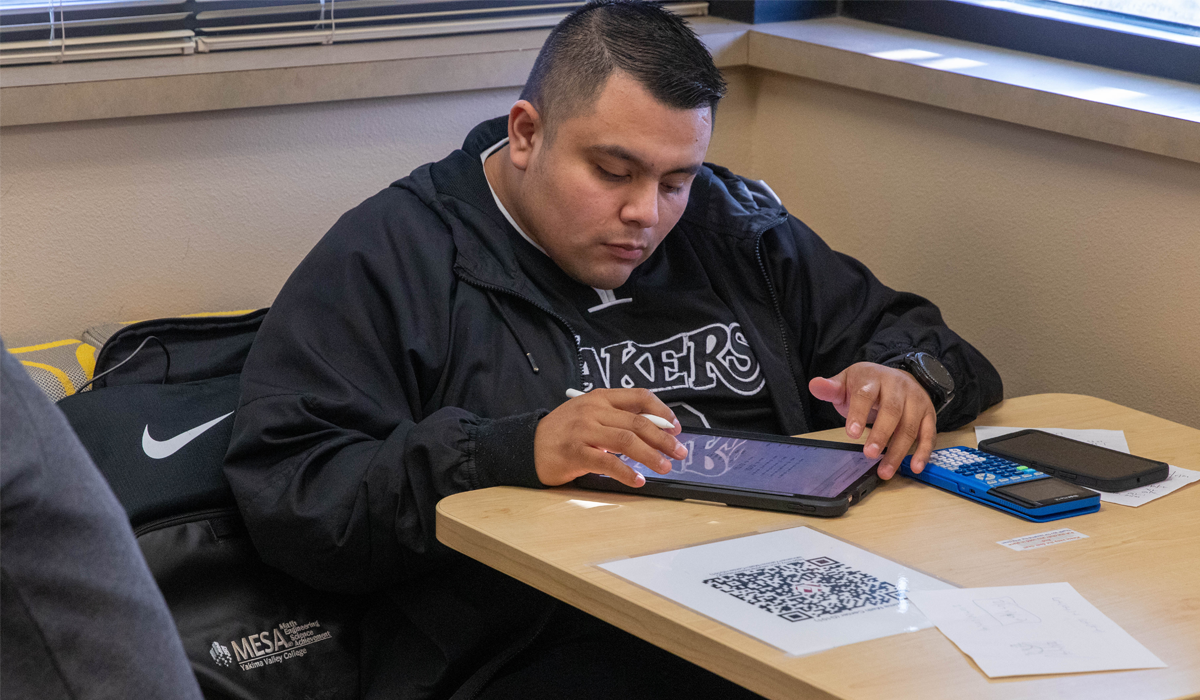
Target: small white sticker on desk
x,y
1043,539
1028,630
797,589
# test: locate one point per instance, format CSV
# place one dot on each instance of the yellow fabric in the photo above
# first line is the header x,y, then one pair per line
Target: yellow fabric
x,y
243,312
60,366
43,346
195,315
86,355
61,376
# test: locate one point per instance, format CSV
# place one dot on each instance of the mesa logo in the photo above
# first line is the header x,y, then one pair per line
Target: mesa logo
x,y
220,654
273,646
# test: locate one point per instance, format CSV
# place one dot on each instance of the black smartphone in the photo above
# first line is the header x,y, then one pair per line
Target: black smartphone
x,y
752,470
1078,462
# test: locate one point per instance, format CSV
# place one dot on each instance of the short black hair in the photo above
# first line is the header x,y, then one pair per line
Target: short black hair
x,y
652,45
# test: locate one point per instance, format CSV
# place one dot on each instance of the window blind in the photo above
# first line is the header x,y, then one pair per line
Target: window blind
x,y
66,30
59,30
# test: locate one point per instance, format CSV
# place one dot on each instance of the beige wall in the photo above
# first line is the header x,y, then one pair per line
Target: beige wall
x,y
126,219
1073,265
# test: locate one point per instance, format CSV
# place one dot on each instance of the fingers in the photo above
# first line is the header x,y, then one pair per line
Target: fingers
x,y
892,407
640,401
596,461
582,435
897,407
863,397
904,432
925,443
832,390
634,443
635,436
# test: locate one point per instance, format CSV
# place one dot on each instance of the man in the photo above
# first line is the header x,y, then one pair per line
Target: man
x,y
424,346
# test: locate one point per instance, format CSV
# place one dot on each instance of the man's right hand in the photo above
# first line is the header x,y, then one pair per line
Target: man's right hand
x,y
580,436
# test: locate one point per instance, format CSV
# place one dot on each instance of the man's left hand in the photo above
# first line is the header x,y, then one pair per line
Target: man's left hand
x,y
892,399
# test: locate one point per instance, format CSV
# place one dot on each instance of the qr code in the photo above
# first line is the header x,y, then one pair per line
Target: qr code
x,y
806,589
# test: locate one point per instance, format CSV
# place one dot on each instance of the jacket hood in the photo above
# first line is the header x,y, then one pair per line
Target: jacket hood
x,y
726,204
720,203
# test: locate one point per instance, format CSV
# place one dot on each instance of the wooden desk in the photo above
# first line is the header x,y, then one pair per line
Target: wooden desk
x,y
1140,566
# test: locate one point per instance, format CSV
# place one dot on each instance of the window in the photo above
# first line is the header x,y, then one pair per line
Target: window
x,y
1155,37
1185,12
43,31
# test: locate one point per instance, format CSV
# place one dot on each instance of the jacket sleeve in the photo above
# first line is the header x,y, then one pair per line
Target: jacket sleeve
x,y
839,313
337,461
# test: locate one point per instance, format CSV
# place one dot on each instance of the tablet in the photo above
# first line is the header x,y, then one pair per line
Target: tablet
x,y
752,470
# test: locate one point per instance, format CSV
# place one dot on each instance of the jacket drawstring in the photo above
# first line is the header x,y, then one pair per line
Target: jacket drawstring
x,y
516,335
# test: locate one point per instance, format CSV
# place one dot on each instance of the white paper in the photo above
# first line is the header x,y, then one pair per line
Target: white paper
x,y
1176,479
797,589
1027,630
1111,439
1043,539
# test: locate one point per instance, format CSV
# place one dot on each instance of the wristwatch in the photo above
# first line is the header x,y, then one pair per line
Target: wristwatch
x,y
931,374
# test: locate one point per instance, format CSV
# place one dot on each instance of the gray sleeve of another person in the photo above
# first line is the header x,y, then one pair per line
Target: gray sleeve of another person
x,y
80,615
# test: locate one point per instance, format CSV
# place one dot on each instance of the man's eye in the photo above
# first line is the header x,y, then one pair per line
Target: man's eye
x,y
612,177
671,189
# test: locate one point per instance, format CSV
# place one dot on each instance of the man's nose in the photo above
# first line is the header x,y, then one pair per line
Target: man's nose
x,y
642,207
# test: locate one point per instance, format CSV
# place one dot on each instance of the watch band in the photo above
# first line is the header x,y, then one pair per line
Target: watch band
x,y
932,375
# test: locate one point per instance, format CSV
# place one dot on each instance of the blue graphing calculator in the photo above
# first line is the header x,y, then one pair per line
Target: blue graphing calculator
x,y
1008,486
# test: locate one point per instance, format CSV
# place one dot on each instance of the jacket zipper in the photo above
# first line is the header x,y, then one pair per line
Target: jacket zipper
x,y
779,322
552,313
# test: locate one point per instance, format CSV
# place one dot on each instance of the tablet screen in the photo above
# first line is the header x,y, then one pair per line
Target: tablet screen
x,y
777,467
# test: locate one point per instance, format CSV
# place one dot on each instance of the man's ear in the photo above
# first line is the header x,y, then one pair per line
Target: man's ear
x,y
525,133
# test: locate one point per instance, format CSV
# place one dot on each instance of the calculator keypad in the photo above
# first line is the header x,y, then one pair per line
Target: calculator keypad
x,y
967,463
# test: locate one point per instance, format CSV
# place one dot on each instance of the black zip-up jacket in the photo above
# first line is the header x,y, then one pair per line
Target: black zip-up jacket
x,y
409,358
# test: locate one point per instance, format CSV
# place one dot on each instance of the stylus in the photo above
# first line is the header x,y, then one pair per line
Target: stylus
x,y
660,422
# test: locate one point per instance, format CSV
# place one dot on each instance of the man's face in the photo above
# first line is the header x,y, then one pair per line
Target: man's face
x,y
612,183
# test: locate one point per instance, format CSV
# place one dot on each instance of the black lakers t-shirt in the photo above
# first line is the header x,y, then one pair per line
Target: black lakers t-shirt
x,y
663,330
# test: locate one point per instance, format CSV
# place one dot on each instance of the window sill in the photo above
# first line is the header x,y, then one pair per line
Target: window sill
x,y
1115,107
1124,109
49,93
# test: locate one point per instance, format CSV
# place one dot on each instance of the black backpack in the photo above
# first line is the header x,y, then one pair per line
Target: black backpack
x,y
157,422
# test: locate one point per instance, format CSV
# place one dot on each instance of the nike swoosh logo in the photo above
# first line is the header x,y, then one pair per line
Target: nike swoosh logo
x,y
158,450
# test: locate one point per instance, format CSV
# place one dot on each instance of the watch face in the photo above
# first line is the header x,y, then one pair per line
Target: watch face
x,y
936,370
